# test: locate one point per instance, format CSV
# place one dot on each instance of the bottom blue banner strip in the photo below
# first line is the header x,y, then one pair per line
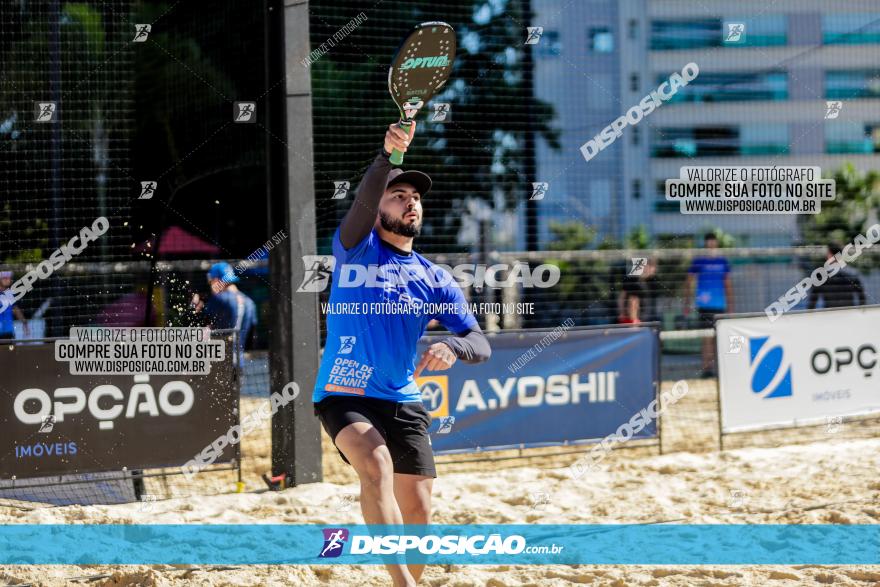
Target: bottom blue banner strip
x,y
440,544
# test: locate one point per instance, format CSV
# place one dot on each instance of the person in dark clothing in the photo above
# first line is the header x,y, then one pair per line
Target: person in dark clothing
x,y
638,300
842,289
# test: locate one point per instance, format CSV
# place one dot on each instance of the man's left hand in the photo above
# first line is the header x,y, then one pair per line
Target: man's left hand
x,y
438,357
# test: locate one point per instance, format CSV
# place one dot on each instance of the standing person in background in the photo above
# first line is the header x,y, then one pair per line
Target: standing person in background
x,y
709,275
8,309
842,289
637,302
228,308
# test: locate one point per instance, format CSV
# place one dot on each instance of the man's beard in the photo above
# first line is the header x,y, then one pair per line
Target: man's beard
x,y
397,226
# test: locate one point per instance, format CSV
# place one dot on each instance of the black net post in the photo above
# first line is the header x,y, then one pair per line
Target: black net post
x,y
294,347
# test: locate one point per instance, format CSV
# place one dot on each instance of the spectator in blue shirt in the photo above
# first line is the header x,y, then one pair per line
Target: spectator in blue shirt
x,y
228,308
8,310
709,278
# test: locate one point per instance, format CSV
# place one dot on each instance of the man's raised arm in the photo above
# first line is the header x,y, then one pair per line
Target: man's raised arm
x,y
361,217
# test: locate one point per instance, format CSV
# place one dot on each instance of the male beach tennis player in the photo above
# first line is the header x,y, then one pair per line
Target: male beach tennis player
x,y
365,395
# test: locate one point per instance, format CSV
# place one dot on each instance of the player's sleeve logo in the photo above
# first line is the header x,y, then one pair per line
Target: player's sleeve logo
x,y
346,345
317,272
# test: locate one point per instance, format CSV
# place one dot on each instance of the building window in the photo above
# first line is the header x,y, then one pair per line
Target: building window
x,y
660,189
548,45
636,133
633,29
851,29
721,141
847,85
601,40
637,189
634,82
661,204
732,87
763,139
685,34
851,137
760,31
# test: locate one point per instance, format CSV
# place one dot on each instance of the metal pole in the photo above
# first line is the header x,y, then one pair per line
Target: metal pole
x,y
55,136
55,149
295,338
658,385
720,428
529,149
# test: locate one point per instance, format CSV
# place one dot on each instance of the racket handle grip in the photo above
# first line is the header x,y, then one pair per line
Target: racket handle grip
x,y
397,156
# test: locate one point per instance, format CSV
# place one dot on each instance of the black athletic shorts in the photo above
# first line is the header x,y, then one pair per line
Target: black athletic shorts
x,y
403,425
707,317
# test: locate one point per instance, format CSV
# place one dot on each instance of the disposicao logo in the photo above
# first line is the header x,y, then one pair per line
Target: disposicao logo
x,y
416,62
334,541
770,376
401,544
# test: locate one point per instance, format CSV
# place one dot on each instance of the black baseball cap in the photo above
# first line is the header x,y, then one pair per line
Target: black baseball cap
x,y
417,179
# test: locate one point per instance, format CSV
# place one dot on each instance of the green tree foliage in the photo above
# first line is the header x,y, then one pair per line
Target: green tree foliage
x,y
24,147
853,210
480,152
585,290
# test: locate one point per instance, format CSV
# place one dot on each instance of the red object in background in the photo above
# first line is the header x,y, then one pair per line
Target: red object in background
x,y
177,242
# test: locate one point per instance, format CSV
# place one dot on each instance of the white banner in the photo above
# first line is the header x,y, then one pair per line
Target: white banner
x,y
804,367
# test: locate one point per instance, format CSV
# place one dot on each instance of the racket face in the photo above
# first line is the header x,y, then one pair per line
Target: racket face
x,y
421,66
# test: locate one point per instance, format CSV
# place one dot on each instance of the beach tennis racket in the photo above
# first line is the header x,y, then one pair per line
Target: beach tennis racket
x,y
420,67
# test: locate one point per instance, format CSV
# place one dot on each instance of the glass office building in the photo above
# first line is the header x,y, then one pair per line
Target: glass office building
x,y
767,71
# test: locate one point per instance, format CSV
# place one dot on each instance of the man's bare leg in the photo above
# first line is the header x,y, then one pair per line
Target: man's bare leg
x,y
413,493
367,452
709,354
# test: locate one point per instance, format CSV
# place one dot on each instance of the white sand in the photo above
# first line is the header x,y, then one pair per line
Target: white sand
x,y
834,481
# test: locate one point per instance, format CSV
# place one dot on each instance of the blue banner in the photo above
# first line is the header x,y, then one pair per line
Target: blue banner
x,y
543,388
483,544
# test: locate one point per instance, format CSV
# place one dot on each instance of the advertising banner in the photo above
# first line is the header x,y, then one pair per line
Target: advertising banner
x,y
802,368
52,422
543,388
